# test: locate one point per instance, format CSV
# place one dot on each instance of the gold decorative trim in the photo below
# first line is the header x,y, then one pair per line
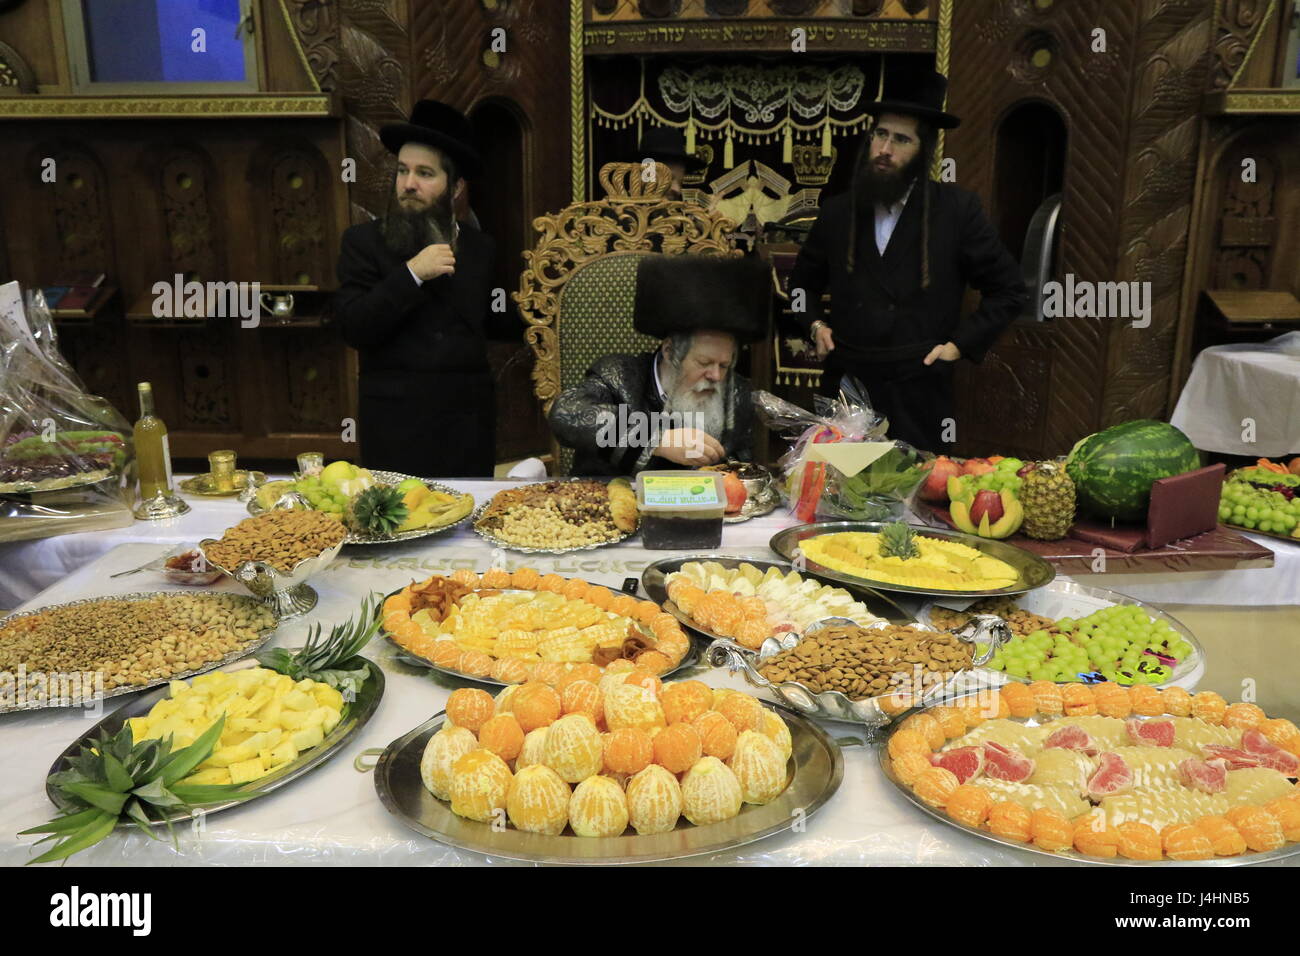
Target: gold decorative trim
x,y
1260,30
942,60
766,34
577,114
633,217
297,45
1253,102
249,106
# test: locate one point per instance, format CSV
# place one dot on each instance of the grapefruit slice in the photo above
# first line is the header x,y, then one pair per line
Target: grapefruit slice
x,y
1111,776
1150,733
964,763
1207,776
1236,759
1073,738
1270,754
1003,763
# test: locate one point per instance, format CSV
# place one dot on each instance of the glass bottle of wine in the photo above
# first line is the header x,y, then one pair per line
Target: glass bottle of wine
x,y
152,454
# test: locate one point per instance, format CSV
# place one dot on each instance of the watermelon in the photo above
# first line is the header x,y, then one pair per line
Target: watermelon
x,y
1113,470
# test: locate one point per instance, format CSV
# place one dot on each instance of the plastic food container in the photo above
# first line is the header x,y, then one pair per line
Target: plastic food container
x,y
680,510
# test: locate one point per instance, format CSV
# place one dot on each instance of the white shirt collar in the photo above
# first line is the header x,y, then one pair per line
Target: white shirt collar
x,y
663,396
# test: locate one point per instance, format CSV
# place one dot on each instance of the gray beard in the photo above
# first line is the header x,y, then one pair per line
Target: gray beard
x,y
406,233
707,412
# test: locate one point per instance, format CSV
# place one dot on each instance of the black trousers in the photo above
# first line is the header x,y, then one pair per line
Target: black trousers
x,y
430,426
917,399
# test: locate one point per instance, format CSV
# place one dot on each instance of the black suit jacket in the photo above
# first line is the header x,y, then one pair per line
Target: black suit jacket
x,y
881,305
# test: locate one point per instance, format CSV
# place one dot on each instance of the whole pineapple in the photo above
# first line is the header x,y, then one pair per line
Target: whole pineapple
x,y
377,511
1047,496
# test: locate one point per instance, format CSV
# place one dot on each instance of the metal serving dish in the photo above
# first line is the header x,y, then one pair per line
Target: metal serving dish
x,y
1245,859
654,581
252,648
285,592
1066,598
487,535
815,770
356,715
407,656
388,478
1034,571
835,705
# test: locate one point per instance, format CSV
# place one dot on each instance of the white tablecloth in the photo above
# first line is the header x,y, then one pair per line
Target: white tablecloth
x,y
333,814
1228,384
28,567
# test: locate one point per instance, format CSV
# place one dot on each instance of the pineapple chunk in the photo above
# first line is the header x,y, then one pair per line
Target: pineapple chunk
x,y
306,685
228,756
177,688
233,738
182,740
140,728
247,770
292,719
239,707
308,737
283,754
281,684
298,700
315,718
272,738
260,699
327,696
271,712
193,709
213,775
164,708
329,719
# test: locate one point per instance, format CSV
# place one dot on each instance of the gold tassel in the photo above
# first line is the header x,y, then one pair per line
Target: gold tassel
x,y
826,139
728,154
787,148
690,135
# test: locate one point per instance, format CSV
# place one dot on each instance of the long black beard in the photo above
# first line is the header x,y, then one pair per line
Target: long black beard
x,y
886,188
406,233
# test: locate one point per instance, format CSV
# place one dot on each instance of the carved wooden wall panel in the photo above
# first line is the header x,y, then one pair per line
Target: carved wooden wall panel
x,y
294,214
76,231
186,186
208,384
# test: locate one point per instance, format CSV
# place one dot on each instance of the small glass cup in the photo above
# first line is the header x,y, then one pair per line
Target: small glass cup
x,y
222,466
310,464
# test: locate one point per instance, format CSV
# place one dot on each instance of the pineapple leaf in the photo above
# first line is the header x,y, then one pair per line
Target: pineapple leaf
x,y
94,830
119,780
96,795
320,656
197,794
156,793
184,761
134,810
898,541
65,824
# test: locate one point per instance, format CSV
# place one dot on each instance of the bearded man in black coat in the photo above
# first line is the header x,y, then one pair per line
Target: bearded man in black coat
x,y
415,301
897,254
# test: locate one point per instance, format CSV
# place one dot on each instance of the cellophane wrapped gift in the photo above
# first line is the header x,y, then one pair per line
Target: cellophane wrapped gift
x,y
66,458
815,488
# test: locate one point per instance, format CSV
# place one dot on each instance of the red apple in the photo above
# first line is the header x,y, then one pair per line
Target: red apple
x,y
736,493
935,486
986,503
978,466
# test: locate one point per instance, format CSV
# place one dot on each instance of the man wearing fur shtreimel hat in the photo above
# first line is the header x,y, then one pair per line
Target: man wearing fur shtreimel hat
x,y
682,405
897,254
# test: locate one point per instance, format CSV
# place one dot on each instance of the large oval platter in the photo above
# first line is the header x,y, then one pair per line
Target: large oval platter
x,y
1066,598
356,715
1033,571
654,581
248,649
882,755
393,478
816,769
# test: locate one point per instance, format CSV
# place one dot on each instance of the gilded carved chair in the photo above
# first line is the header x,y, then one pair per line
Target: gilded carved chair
x,y
578,288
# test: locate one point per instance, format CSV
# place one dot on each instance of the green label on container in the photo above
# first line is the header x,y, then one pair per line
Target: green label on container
x,y
661,490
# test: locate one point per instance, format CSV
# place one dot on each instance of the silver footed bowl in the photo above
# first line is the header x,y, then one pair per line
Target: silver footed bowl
x,y
835,705
285,592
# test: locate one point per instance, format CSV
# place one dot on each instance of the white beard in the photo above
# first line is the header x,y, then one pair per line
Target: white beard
x,y
708,412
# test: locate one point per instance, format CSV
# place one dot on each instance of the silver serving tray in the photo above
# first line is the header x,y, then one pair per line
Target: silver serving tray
x,y
755,506
1185,667
1245,859
654,581
407,657
1034,571
356,715
391,478
816,770
523,549
836,705
235,655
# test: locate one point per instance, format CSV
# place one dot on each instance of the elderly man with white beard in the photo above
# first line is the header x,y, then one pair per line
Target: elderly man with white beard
x,y
682,405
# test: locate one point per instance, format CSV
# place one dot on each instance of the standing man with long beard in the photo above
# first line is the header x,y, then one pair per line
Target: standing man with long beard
x,y
897,254
414,300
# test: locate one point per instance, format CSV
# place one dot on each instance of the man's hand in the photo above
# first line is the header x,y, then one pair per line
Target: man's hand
x,y
824,341
690,447
433,261
948,352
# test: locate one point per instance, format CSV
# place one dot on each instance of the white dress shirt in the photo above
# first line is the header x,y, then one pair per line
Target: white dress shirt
x,y
887,218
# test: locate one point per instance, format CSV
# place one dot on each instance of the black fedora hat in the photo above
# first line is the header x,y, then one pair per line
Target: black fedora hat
x,y
441,126
668,144
920,96
695,293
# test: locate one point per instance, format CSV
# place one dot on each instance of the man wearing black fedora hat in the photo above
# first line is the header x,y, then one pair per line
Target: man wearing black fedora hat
x,y
682,405
897,254
414,300
667,145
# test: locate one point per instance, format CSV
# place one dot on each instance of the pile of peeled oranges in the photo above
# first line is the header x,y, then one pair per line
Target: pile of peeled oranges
x,y
598,756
